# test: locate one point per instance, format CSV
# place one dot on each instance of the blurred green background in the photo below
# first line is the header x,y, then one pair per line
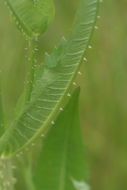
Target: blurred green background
x,y
104,84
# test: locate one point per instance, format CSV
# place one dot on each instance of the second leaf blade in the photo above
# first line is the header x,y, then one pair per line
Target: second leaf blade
x,y
62,163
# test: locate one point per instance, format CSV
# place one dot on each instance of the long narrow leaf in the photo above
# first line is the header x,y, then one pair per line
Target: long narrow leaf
x,y
61,164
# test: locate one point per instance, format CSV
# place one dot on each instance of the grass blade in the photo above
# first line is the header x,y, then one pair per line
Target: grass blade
x,y
62,160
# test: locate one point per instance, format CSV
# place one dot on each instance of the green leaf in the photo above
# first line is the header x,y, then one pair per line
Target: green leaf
x,y
61,164
53,86
32,16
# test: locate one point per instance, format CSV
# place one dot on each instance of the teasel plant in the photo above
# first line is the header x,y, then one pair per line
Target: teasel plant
x,y
42,148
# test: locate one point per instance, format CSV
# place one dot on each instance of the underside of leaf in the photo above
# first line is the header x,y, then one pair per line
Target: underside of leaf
x,y
53,85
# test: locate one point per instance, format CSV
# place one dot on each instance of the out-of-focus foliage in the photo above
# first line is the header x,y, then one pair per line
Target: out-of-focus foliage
x,y
103,100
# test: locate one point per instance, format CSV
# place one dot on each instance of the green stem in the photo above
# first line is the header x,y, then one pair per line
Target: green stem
x,y
28,178
32,59
1,112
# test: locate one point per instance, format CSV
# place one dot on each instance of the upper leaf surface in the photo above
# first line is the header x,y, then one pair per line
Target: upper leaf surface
x,y
32,16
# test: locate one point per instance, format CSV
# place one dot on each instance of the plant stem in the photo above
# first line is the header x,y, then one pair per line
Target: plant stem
x,y
1,111
28,175
32,59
